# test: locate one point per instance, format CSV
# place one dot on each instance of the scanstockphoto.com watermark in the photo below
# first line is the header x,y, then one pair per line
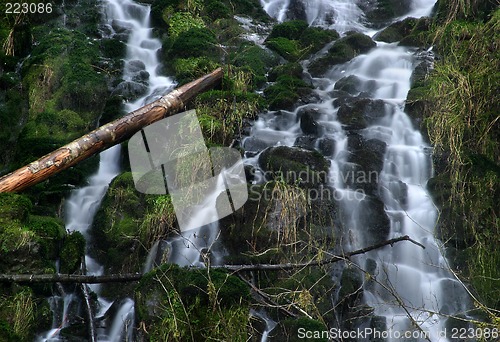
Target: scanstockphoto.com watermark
x,y
336,334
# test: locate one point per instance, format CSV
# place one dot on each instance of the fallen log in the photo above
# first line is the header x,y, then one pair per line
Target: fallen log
x,y
92,279
106,136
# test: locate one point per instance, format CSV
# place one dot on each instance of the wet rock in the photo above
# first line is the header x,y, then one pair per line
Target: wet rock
x,y
296,11
342,51
351,289
141,77
306,96
130,90
326,146
368,156
293,163
402,29
136,66
307,142
350,84
360,113
377,223
308,125
386,10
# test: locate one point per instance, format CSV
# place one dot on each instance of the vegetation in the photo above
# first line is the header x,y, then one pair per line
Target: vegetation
x,y
462,120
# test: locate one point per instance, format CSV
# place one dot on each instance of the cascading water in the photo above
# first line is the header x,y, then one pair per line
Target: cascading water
x,y
140,73
413,285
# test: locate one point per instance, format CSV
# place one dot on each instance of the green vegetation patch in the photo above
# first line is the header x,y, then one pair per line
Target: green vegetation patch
x,y
176,304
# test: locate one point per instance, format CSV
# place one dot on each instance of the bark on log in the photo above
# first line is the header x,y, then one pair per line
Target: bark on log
x,y
106,136
90,279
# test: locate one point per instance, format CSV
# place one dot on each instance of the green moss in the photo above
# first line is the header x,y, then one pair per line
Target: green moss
x,y
50,232
195,42
72,251
291,30
286,48
14,207
180,22
254,58
315,38
17,315
189,69
284,93
463,96
288,69
217,10
177,304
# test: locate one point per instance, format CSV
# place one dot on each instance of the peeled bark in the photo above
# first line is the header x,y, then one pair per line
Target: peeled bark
x,y
106,136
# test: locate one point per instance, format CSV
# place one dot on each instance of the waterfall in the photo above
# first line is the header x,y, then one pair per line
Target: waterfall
x,y
407,275
141,65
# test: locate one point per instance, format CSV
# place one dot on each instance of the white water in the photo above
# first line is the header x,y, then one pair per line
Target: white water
x,y
83,203
419,277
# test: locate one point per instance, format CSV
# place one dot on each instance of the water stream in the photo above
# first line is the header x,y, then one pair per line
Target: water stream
x,y
130,20
406,274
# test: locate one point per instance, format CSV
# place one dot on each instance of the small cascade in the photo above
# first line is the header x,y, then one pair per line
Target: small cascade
x,y
270,324
406,274
141,65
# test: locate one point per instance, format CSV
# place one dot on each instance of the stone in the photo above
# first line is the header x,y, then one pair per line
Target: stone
x,y
360,113
293,163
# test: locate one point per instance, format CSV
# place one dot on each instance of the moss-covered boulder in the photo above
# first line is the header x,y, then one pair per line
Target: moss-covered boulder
x,y
343,50
409,32
285,92
177,304
295,165
294,40
28,244
127,225
385,10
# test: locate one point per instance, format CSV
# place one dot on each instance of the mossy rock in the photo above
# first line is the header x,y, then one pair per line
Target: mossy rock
x,y
289,69
360,113
72,251
257,59
409,32
178,303
50,231
189,69
285,92
14,207
196,42
386,10
294,330
286,48
343,50
291,30
310,39
292,164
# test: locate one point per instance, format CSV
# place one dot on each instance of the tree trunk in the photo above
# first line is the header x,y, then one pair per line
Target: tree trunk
x,y
106,136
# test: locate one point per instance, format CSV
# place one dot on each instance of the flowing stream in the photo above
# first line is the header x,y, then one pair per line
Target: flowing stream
x,y
413,286
130,20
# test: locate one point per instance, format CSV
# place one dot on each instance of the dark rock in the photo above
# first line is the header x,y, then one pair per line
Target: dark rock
x,y
386,10
351,288
296,10
306,96
360,113
141,77
308,125
136,66
293,163
368,156
130,90
326,146
350,84
307,142
375,220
